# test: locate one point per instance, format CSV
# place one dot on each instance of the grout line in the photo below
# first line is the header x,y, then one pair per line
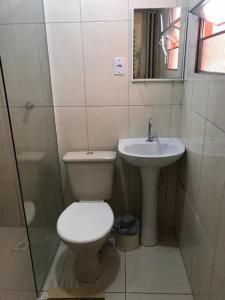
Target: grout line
x,y
160,293
213,271
76,22
85,90
96,106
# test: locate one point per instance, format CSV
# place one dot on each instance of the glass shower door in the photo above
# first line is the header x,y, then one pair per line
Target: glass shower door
x,y
24,56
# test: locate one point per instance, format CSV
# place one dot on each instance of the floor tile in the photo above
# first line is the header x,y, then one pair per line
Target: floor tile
x,y
42,259
54,275
112,279
17,295
158,297
43,235
157,269
10,235
115,296
16,271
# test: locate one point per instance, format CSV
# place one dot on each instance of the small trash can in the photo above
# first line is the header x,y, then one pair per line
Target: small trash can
x,y
127,232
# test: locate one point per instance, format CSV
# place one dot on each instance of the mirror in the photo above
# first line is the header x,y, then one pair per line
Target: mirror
x,y
159,39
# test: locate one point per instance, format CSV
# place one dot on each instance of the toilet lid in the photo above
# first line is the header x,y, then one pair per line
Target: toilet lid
x,y
85,222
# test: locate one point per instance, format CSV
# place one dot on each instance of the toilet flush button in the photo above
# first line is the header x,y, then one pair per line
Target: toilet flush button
x,y
119,65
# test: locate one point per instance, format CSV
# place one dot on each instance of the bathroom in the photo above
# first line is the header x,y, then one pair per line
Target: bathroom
x,y
112,113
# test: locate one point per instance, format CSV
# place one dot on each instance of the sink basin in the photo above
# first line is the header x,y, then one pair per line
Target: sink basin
x,y
157,154
150,157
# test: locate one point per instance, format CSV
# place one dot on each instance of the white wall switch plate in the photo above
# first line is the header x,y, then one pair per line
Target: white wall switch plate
x,y
119,65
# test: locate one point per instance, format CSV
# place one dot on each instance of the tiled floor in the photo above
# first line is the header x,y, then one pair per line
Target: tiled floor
x,y
16,277
147,273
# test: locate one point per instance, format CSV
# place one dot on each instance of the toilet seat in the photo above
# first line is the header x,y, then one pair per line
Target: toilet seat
x,y
85,222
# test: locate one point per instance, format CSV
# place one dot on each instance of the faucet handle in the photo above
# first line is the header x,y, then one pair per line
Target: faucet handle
x,y
150,121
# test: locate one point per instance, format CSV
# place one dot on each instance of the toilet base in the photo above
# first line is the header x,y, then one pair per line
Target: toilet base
x,y
88,269
88,265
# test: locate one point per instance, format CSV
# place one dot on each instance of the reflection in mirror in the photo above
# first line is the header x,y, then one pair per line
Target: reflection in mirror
x,y
159,36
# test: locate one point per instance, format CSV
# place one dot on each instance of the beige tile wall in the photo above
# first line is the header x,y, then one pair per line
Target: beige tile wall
x,y
93,107
200,201
9,193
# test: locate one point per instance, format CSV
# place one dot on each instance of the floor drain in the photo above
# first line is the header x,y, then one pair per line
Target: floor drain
x,y
21,246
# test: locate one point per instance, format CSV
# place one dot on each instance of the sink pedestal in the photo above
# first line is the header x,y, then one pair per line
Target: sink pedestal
x,y
149,231
150,157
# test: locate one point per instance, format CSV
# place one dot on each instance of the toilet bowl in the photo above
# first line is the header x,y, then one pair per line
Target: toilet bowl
x,y
85,225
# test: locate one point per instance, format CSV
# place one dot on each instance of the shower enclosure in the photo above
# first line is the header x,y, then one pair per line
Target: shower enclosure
x,y
28,104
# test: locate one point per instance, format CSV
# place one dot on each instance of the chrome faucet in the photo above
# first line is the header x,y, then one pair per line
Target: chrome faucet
x,y
151,136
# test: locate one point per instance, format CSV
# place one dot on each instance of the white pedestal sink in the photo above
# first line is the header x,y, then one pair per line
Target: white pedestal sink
x,y
150,157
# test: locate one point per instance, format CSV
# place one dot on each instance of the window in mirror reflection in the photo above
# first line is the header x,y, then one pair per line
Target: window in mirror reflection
x,y
156,43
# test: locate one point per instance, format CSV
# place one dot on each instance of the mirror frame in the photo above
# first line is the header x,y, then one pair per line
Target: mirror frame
x,y
144,80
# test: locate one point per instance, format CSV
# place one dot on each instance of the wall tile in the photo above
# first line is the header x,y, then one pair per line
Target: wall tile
x,y
139,116
216,107
185,124
71,130
102,86
4,12
171,199
177,94
120,196
212,181
23,69
101,10
187,237
179,211
66,189
2,96
5,153
200,96
66,64
106,125
175,122
162,199
218,279
202,262
150,93
56,11
202,173
194,155
33,129
135,195
188,91
26,11
9,203
121,166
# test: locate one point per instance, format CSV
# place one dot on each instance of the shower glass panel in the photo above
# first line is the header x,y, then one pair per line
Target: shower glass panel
x,y
24,57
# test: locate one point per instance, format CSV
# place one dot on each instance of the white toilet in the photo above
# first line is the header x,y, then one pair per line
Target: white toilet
x,y
85,225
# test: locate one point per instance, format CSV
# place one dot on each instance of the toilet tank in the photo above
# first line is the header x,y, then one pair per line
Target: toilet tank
x,y
90,174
